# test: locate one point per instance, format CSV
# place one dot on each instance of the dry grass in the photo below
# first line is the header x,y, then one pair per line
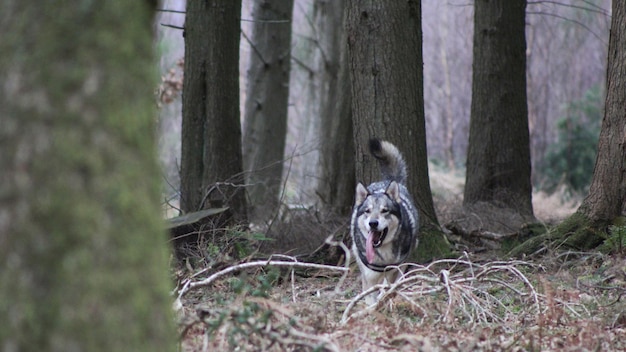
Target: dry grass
x,y
447,189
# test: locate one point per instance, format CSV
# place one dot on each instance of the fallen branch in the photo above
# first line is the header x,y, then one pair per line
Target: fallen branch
x,y
190,285
468,287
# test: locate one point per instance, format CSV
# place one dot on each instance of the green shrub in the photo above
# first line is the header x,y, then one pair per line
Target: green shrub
x,y
570,160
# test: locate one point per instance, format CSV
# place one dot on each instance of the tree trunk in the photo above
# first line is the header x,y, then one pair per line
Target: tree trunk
x,y
211,160
336,167
267,96
498,158
606,202
607,193
385,50
82,246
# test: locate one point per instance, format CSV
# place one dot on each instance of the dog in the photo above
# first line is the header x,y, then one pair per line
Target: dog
x,y
385,222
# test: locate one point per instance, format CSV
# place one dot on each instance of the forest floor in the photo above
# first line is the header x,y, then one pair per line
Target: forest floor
x,y
572,303
559,301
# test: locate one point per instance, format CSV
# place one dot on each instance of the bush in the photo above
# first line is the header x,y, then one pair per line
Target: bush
x,y
571,159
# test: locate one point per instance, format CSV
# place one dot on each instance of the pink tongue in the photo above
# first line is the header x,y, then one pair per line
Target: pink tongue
x,y
369,247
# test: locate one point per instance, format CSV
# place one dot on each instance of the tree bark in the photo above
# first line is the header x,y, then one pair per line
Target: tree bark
x,y
336,184
606,202
607,194
267,97
211,160
82,247
385,60
498,157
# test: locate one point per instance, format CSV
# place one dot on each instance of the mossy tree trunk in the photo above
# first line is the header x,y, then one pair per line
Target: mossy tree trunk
x,y
211,162
82,246
385,63
606,202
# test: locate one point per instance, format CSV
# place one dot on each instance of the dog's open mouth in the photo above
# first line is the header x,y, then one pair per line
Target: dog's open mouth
x,y
378,237
374,240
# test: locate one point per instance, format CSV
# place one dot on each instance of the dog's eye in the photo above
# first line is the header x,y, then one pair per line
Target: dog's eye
x,y
368,210
384,210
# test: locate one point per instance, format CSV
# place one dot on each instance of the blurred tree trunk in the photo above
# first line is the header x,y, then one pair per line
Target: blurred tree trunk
x,y
211,160
606,202
82,247
267,97
336,167
448,114
385,60
498,158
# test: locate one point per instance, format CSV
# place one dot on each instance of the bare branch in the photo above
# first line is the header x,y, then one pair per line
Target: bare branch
x,y
189,285
171,11
258,53
597,9
172,26
569,20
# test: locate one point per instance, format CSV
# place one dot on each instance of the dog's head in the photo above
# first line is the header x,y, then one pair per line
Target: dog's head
x,y
378,216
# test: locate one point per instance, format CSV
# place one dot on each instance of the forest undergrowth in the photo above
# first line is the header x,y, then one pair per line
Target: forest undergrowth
x,y
477,301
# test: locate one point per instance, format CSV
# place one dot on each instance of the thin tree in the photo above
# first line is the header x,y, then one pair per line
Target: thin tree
x,y
211,160
267,97
606,202
82,246
498,157
336,183
385,62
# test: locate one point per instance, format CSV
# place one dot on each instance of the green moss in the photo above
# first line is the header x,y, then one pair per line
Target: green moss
x,y
85,262
615,241
432,245
577,232
527,232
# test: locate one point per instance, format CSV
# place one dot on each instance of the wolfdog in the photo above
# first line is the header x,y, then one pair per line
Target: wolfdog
x,y
385,221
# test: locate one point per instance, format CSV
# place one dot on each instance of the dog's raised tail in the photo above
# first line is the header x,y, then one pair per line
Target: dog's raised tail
x,y
392,164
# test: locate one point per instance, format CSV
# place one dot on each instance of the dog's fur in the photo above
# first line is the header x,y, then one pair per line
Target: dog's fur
x,y
385,221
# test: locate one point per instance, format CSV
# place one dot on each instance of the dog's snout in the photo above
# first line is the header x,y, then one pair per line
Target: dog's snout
x,y
373,224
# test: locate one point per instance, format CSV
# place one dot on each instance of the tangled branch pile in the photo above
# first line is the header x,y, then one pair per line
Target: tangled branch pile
x,y
474,293
450,303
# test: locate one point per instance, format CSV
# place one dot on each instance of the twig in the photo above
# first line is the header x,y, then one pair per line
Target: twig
x,y
445,280
602,40
598,9
172,26
189,285
171,11
264,21
256,50
346,263
466,284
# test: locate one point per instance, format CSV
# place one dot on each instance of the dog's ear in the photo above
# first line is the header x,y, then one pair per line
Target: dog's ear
x,y
361,194
393,191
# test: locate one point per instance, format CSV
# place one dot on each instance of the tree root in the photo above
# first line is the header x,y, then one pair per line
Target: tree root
x,y
577,232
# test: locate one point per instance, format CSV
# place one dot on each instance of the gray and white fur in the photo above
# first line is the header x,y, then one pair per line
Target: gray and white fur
x,y
385,221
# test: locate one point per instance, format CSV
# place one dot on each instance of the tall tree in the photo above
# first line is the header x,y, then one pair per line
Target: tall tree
x,y
82,246
606,202
498,157
607,193
336,181
385,61
267,97
211,160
